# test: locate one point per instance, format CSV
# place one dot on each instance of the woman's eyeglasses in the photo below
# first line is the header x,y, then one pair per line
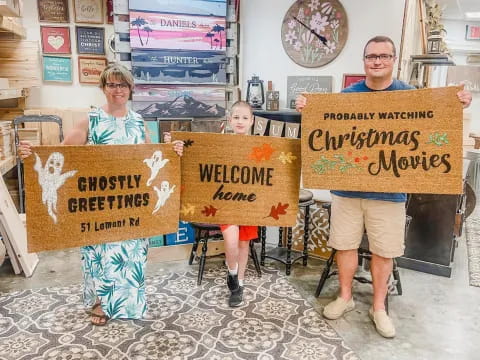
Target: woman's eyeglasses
x,y
382,57
112,86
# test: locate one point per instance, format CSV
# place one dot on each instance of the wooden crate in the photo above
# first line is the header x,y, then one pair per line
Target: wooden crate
x,y
10,8
20,63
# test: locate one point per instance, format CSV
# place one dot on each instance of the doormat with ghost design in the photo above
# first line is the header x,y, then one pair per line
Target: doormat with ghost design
x,y
93,194
238,179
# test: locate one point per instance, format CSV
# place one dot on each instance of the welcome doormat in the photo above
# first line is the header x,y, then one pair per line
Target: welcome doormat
x,y
184,321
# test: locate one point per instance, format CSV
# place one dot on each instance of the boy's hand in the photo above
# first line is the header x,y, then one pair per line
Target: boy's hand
x,y
178,147
24,149
300,103
167,138
465,97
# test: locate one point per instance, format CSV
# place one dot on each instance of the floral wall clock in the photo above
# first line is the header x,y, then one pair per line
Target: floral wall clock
x,y
314,32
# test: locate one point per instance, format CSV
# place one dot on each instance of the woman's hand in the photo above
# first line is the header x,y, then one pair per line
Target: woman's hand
x,y
24,149
465,97
167,138
300,103
178,147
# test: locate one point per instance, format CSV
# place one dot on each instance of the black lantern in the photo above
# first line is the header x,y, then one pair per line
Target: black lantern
x,y
255,93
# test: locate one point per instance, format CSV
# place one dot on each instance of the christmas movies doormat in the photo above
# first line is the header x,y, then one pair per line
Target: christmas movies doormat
x,y
238,179
388,141
85,195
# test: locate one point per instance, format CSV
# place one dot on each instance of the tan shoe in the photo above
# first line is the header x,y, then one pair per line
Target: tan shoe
x,y
337,308
383,323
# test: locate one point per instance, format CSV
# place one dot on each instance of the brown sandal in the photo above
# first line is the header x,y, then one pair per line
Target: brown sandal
x,y
103,318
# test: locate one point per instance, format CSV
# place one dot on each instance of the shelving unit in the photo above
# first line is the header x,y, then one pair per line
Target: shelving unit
x,y
10,28
7,164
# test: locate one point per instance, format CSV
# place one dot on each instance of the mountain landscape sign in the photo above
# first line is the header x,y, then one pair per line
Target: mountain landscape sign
x,y
93,194
179,101
387,141
237,179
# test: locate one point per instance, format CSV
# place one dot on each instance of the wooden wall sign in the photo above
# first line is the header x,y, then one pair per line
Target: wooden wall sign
x,y
149,30
179,67
386,141
176,101
243,180
83,195
350,79
90,40
57,69
310,84
196,7
55,39
53,11
88,11
90,69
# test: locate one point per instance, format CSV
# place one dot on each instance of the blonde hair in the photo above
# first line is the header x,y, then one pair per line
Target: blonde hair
x,y
116,71
241,103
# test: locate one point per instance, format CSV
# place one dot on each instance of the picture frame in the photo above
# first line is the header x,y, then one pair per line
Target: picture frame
x,y
472,32
55,39
88,11
349,79
57,69
55,11
90,69
90,40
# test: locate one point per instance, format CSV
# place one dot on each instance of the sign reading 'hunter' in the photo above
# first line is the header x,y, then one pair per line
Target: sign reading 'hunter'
x,y
236,179
401,141
84,195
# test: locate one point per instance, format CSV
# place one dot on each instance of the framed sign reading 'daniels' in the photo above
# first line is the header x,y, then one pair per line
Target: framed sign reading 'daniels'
x,y
53,11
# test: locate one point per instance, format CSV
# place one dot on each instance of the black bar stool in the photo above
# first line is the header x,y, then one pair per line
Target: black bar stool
x,y
202,235
282,254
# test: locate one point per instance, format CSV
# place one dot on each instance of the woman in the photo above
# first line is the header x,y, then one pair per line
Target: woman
x,y
114,273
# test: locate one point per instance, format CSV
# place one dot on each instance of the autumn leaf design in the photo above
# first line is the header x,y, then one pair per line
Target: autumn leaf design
x,y
287,158
188,143
260,153
278,210
188,209
209,210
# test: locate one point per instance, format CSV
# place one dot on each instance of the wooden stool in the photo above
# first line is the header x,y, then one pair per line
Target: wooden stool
x,y
282,254
202,235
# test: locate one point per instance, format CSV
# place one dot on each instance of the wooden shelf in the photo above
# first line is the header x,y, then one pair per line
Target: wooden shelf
x,y
11,93
7,164
9,25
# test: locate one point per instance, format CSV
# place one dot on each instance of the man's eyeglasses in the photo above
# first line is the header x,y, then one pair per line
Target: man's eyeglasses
x,y
382,57
112,86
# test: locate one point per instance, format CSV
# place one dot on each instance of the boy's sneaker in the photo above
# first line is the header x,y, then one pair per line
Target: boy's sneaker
x,y
236,297
337,308
232,282
383,323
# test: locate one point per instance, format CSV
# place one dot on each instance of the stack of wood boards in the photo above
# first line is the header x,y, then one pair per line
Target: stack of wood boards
x,y
20,63
5,140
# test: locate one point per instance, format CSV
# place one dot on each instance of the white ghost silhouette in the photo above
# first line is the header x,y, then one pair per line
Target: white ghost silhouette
x,y
155,163
163,194
51,179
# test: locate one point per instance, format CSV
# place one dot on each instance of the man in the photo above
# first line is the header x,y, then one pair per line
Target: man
x,y
381,214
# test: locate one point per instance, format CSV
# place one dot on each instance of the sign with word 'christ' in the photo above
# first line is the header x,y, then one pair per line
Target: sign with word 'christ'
x,y
85,195
387,141
239,179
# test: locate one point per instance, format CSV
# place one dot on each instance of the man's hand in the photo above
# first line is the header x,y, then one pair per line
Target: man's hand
x,y
300,103
178,147
167,138
465,98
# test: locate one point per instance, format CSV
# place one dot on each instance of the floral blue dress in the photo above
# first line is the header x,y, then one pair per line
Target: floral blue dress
x,y
115,272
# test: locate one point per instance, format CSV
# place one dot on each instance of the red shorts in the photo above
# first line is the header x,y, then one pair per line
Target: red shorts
x,y
246,233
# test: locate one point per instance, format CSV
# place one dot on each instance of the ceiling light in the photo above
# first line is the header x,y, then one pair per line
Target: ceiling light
x,y
472,15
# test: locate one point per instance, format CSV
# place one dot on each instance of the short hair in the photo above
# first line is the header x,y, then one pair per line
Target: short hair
x,y
241,103
380,39
116,71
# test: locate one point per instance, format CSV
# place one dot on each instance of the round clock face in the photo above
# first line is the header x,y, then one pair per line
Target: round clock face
x,y
328,19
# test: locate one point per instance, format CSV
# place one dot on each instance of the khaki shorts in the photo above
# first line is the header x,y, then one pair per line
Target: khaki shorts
x,y
384,222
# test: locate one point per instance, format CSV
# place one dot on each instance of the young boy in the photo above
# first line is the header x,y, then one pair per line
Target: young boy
x,y
237,238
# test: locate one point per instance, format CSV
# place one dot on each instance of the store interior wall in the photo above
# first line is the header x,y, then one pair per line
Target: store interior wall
x,y
262,52
59,95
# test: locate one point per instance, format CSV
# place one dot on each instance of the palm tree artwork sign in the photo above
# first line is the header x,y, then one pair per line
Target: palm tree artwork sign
x,y
194,7
177,101
154,30
178,67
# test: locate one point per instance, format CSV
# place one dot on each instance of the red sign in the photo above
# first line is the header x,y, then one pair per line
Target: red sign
x,y
55,39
